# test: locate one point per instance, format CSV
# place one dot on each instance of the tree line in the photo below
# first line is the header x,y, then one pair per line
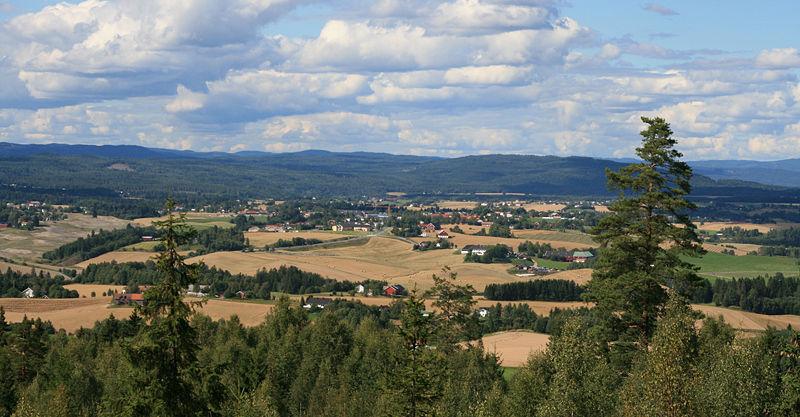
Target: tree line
x,y
13,283
775,294
284,279
98,243
540,289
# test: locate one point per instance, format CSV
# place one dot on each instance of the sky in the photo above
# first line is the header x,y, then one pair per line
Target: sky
x,y
425,77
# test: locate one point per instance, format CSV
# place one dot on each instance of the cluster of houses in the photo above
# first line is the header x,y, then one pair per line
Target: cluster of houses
x,y
430,230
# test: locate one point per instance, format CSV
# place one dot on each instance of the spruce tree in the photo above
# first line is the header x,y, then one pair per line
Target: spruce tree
x,y
644,237
164,354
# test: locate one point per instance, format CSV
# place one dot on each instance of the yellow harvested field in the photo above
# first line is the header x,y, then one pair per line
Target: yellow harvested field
x,y
744,320
542,308
543,206
601,209
223,217
72,314
457,205
763,228
261,239
85,290
739,249
119,257
383,258
579,276
514,347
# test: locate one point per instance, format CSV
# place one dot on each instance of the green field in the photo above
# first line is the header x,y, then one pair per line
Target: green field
x,y
717,265
546,263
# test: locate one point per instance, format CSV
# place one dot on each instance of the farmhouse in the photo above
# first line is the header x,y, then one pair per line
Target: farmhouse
x,y
483,312
28,293
360,289
316,302
581,256
129,299
241,294
479,250
395,290
147,238
441,234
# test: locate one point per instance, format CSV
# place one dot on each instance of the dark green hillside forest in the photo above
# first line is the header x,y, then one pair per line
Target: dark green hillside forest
x,y
638,353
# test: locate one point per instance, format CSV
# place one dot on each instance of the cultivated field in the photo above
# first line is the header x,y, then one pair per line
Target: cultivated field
x,y
119,257
763,228
24,245
543,206
72,314
261,239
747,321
738,248
382,258
457,205
717,265
85,290
514,347
196,220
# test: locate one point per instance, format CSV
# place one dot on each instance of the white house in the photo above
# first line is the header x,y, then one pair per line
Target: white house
x,y
360,289
28,293
479,250
483,312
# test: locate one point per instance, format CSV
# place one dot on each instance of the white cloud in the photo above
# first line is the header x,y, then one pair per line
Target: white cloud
x,y
779,58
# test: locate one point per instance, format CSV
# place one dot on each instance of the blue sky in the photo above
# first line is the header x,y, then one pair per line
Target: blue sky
x,y
437,77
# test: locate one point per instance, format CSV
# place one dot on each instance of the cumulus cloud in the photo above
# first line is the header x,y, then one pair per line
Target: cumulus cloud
x,y
779,58
441,77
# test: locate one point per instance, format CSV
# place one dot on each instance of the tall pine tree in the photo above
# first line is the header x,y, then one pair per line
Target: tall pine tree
x,y
644,237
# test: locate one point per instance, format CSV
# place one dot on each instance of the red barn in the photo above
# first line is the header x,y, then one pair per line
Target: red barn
x,y
395,290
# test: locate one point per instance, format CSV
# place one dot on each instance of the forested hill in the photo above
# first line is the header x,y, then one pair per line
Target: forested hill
x,y
110,172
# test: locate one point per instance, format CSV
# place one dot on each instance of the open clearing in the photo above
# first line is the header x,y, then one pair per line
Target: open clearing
x,y
72,314
717,265
261,239
24,245
568,240
514,347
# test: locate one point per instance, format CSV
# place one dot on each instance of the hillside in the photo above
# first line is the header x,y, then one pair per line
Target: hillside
x,y
70,172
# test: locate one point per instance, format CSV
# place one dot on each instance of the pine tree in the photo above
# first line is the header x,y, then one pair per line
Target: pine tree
x,y
641,241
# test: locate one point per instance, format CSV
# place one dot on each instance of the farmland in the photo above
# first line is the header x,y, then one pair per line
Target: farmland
x,y
28,246
717,265
196,220
514,347
72,314
261,239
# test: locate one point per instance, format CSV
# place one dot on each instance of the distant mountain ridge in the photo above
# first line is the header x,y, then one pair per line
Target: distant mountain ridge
x,y
136,172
